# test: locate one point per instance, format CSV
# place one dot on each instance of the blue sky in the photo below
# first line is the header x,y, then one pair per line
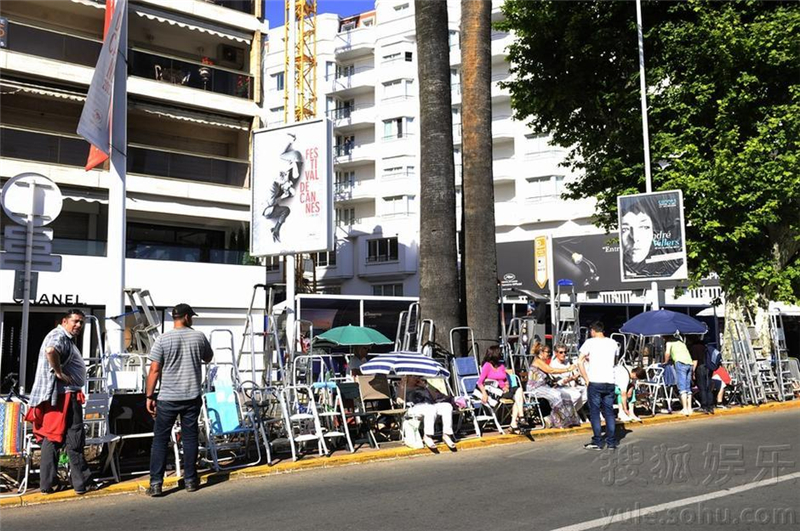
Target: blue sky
x,y
275,9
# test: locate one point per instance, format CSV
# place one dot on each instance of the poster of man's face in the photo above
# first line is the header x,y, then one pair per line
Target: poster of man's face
x,y
292,202
652,236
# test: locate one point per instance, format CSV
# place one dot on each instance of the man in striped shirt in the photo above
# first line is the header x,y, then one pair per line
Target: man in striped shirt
x,y
175,361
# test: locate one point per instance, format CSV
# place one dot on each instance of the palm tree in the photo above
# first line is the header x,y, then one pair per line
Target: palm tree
x,y
480,253
437,250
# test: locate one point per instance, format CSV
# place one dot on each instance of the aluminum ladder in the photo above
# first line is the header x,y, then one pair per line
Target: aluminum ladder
x,y
780,356
567,317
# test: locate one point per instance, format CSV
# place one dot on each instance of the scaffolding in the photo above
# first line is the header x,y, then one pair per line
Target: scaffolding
x,y
300,60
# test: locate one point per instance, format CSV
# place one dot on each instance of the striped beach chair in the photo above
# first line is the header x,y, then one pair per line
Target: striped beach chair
x,y
13,445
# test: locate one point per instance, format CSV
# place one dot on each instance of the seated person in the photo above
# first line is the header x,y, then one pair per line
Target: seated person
x,y
563,414
625,380
570,381
493,371
427,402
358,358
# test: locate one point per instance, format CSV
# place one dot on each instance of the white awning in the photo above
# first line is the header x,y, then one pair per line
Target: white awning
x,y
177,20
8,86
86,196
91,3
192,116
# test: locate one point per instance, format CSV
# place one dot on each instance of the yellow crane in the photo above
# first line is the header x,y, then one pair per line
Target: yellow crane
x,y
300,59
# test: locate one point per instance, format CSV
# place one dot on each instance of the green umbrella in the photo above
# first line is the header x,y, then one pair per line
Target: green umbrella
x,y
353,335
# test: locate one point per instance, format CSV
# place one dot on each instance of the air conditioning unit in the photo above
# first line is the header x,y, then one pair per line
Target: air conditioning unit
x,y
230,56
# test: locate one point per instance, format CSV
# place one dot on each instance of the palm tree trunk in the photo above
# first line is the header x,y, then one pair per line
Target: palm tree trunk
x,y
437,250
480,268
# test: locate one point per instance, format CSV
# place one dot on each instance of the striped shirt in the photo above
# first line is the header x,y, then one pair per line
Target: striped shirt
x,y
46,387
180,353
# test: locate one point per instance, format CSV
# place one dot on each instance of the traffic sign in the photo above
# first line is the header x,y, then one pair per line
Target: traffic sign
x,y
16,261
40,248
20,233
31,194
19,285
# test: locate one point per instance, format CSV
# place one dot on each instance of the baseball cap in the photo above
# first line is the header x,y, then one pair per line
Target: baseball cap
x,y
182,310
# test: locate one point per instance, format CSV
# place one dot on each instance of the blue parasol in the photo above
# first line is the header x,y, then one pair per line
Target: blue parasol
x,y
663,323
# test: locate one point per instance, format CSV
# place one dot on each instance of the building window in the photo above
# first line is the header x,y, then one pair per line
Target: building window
x,y
344,181
345,216
276,115
277,81
397,205
272,263
393,89
453,39
544,188
345,71
349,25
387,290
326,259
397,128
409,57
401,7
330,290
388,58
382,250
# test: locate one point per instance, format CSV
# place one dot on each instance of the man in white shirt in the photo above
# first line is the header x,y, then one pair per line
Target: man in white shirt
x,y
596,364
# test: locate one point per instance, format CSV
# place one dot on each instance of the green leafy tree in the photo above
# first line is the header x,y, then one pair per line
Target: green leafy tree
x,y
724,110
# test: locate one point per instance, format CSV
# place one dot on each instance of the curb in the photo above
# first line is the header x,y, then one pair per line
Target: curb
x,y
344,459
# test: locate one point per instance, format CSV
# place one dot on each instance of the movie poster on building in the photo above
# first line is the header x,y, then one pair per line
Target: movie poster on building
x,y
292,203
652,236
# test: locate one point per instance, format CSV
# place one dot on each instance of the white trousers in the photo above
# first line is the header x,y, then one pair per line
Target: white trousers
x,y
578,394
429,412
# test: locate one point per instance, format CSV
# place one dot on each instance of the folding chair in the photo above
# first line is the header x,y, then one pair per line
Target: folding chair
x,y
531,404
654,388
98,431
376,398
14,446
227,427
467,374
350,393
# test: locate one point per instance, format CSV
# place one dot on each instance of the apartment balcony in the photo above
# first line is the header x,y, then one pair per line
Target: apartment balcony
x,y
502,128
356,191
357,42
346,119
397,68
500,41
399,145
455,93
399,265
504,170
499,93
347,156
71,150
457,134
455,55
361,81
398,183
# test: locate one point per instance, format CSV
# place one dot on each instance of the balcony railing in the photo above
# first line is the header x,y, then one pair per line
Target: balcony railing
x,y
52,45
398,136
343,113
176,253
55,148
245,6
405,174
189,74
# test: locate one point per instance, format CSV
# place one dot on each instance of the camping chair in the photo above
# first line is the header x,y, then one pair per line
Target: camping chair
x,y
532,407
466,373
13,446
98,431
350,395
228,428
376,398
654,389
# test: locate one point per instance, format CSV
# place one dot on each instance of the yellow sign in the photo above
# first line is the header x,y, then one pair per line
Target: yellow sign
x,y
540,259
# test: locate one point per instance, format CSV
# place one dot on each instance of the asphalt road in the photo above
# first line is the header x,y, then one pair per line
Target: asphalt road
x,y
543,485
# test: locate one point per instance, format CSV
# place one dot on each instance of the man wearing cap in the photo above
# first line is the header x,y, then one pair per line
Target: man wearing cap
x,y
175,361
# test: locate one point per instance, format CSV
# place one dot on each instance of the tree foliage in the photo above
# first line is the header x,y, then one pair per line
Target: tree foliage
x,y
724,110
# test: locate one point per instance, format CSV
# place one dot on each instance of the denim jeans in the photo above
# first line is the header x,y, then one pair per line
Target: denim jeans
x,y
601,397
167,412
684,376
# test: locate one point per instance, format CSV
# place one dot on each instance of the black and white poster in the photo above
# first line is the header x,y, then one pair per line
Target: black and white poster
x,y
652,236
292,205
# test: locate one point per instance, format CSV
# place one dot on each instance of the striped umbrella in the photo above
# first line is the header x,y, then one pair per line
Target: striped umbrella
x,y
404,364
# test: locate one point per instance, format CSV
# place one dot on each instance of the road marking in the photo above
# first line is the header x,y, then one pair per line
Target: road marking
x,y
639,513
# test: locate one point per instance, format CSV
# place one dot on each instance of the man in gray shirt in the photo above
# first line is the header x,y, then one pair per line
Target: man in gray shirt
x,y
175,361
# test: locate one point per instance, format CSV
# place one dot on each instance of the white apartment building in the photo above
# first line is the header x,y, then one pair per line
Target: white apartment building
x,y
368,86
194,96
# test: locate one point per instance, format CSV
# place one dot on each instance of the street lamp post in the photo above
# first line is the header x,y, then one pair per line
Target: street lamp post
x,y
645,135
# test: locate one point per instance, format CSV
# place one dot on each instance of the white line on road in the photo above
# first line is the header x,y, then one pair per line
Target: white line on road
x,y
629,515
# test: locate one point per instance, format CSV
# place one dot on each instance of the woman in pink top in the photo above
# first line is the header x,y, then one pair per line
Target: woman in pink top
x,y
493,371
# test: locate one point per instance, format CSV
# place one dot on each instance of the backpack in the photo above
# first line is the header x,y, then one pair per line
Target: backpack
x,y
713,358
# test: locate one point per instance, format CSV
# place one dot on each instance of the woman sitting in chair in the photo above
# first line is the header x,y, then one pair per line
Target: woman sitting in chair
x,y
429,403
563,414
494,371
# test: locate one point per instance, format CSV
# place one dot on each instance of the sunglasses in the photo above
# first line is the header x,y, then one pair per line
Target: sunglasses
x,y
561,351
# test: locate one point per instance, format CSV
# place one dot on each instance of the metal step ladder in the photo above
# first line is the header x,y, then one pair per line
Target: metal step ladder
x,y
518,354
96,362
407,328
780,356
748,372
147,325
567,317
260,347
301,419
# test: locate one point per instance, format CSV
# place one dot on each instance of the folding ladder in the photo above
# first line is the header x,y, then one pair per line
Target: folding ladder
x,y
260,347
300,417
148,323
780,356
567,317
407,328
748,372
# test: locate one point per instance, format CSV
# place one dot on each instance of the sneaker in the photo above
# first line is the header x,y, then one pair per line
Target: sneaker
x,y
592,446
155,490
192,486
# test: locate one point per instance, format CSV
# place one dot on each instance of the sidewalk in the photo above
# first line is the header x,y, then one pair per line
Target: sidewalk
x,y
366,455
